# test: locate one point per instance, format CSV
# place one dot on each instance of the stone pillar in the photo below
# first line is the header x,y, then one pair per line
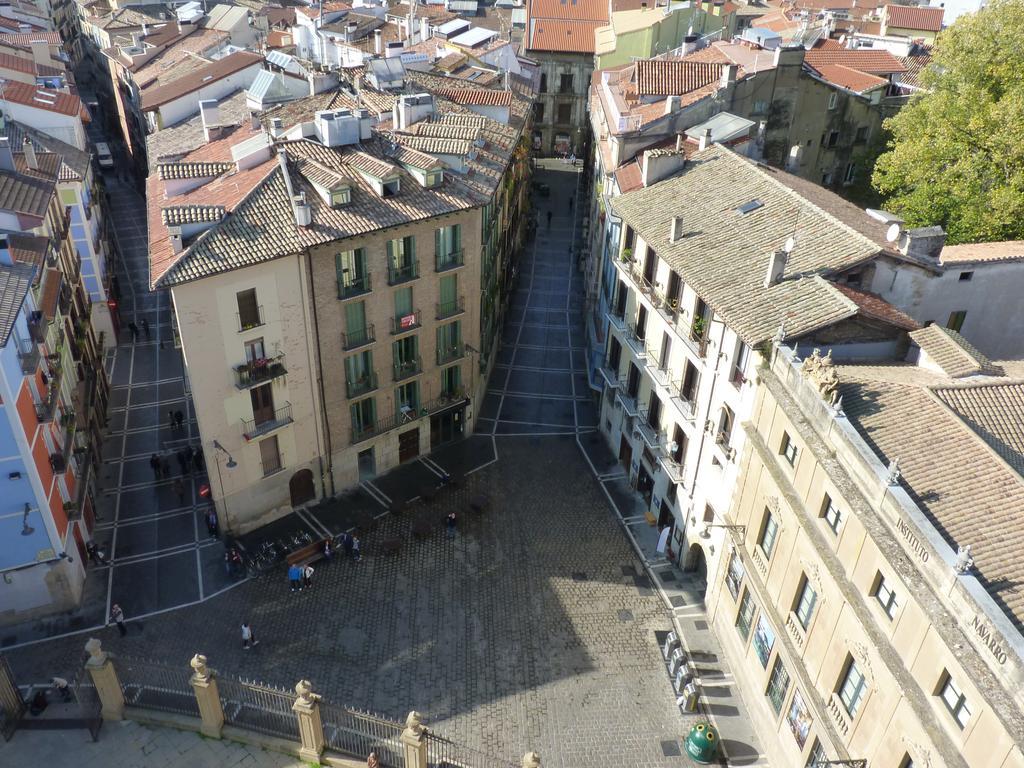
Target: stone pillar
x,y
414,740
311,729
531,760
104,677
207,697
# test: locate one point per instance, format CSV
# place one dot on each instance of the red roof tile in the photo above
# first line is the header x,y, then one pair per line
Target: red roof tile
x,y
197,78
871,305
673,77
43,98
914,17
563,36
851,79
874,62
569,10
478,96
629,177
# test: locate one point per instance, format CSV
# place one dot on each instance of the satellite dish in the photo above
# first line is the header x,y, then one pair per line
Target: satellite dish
x,y
790,244
892,234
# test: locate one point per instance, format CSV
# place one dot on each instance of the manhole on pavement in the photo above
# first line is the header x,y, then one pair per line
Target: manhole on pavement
x,y
670,748
625,615
579,576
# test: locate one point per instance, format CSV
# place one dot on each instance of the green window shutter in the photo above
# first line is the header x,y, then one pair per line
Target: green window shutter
x,y
396,353
372,409
358,268
351,369
439,242
410,249
456,332
355,316
456,238
393,252
449,285
403,301
356,414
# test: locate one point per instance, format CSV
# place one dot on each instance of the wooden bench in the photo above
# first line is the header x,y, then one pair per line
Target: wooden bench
x,y
307,555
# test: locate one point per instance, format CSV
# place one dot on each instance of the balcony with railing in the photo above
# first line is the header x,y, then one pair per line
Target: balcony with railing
x,y
358,338
448,309
407,322
357,286
364,384
403,273
635,339
37,327
406,369
609,373
658,371
361,432
249,320
28,356
58,463
649,432
45,408
723,439
259,371
264,424
627,398
617,318
445,261
674,470
450,353
684,401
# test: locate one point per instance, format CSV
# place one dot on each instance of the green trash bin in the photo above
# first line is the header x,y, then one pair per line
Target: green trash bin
x,y
702,743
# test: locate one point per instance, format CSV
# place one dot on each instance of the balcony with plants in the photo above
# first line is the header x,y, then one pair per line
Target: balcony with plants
x,y
258,371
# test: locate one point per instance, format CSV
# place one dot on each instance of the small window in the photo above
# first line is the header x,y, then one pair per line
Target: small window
x,y
861,136
565,83
830,514
734,576
249,314
564,114
833,139
806,599
850,175
885,595
817,758
833,100
543,82
907,762
853,689
270,455
826,179
745,616
788,449
760,107
955,701
778,684
956,320
769,533
538,111
749,207
739,367
965,277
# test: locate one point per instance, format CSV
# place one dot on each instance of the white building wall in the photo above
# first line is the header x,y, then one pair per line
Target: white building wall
x,y
185,107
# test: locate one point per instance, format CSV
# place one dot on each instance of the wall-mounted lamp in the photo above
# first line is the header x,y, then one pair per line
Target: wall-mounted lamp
x,y
231,463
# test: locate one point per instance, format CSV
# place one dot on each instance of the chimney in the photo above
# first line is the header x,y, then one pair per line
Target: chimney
x,y
6,155
176,243
145,29
41,52
276,127
377,41
29,150
679,142
676,233
303,212
776,266
211,118
425,31
658,165
705,139
728,75
922,242
350,31
671,104
254,121
136,40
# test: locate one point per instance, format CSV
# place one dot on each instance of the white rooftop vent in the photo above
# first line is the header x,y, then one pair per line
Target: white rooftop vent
x,y
412,109
337,128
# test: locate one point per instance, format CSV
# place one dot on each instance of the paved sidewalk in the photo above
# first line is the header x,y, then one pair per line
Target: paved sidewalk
x,y
132,745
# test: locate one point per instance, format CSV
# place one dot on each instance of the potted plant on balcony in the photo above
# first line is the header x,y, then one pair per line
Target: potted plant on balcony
x,y
627,255
699,328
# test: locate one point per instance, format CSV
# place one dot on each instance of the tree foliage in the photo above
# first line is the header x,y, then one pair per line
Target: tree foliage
x,y
956,157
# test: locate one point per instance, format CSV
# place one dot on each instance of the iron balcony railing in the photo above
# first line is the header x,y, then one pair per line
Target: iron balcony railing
x,y
675,470
253,428
407,368
37,327
358,338
401,273
366,382
618,319
361,432
58,463
445,261
249,320
258,371
635,340
610,374
627,399
450,352
28,355
46,408
648,431
686,402
451,308
357,286
410,321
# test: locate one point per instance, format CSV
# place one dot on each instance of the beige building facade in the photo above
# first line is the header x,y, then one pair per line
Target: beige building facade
x,y
853,627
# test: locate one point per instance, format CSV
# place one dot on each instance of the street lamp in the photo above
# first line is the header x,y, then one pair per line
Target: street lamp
x,y
230,464
706,533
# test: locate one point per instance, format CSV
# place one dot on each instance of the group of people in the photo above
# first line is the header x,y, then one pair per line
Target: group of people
x,y
135,329
189,460
175,420
301,577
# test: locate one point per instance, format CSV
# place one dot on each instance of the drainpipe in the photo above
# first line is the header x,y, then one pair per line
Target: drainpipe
x,y
322,411
707,415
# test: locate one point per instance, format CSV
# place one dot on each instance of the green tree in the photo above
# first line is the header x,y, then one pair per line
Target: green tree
x,y
956,157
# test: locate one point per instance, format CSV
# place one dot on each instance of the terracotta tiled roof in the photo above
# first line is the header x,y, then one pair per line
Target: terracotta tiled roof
x,y
29,249
314,12
563,36
23,194
43,98
956,356
915,64
914,17
197,78
873,62
362,161
458,118
50,292
192,170
445,131
279,38
438,146
25,40
629,177
874,306
590,10
415,158
1007,250
668,77
435,13
849,78
26,66
190,214
477,96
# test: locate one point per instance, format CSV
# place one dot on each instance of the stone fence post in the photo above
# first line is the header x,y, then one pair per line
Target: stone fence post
x,y
311,729
531,760
104,677
207,697
414,740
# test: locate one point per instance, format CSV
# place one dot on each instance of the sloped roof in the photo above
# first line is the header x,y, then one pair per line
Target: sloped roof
x,y
1005,250
673,77
197,78
477,96
951,352
915,17
870,61
873,306
590,10
43,98
15,280
24,194
563,36
74,162
850,78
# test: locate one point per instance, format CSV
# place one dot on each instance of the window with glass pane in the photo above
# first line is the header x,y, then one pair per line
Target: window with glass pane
x,y
806,599
451,381
248,309
955,701
778,684
769,532
270,456
403,302
885,595
788,449
853,688
356,331
407,398
449,338
817,758
358,367
406,356
745,617
831,514
448,295
734,576
364,415
401,252
907,762
448,246
352,272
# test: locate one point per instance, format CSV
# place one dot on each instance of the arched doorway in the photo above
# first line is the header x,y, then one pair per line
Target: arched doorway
x,y
301,487
696,564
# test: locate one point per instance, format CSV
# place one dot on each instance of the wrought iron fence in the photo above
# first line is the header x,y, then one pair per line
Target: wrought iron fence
x,y
359,733
90,707
151,685
12,704
257,707
444,753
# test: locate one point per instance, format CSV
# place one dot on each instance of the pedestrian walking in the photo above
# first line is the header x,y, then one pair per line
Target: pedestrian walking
x,y
154,464
451,524
355,549
346,542
328,549
94,553
295,578
117,616
135,331
248,638
165,467
549,219
182,462
179,419
211,523
145,327
572,159
179,488
197,460
372,761
170,419
307,576
189,453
